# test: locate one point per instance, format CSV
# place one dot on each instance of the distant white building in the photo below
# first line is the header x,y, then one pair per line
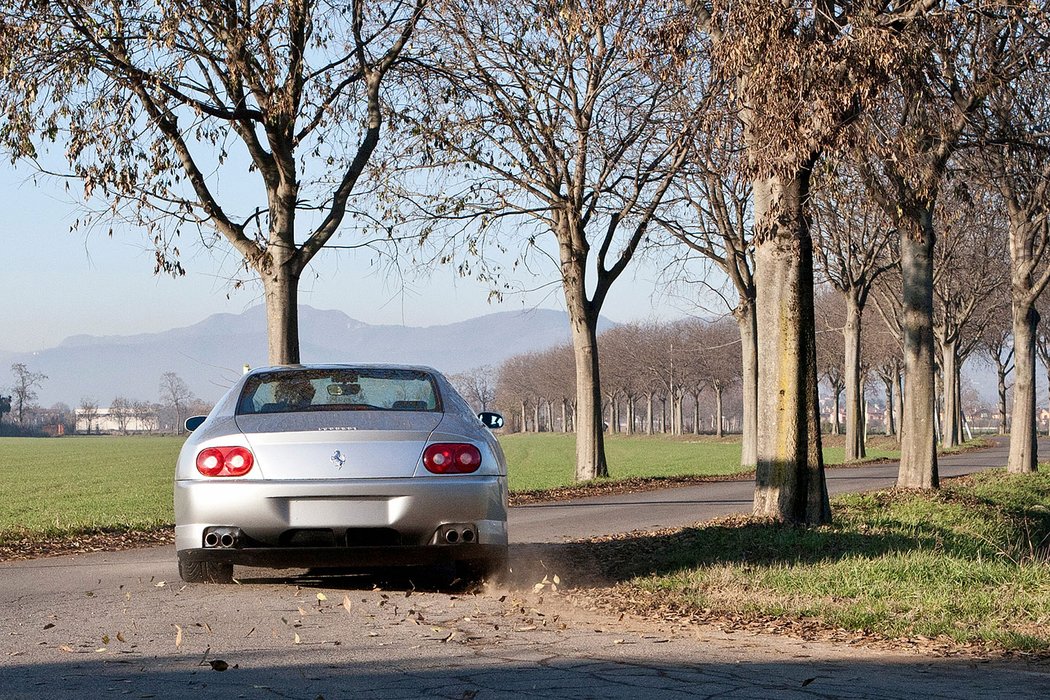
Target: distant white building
x,y
103,420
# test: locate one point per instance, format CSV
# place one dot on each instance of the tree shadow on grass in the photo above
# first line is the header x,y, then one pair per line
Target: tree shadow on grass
x,y
609,561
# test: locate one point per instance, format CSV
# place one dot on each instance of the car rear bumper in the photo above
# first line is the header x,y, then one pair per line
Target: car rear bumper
x,y
410,512
348,557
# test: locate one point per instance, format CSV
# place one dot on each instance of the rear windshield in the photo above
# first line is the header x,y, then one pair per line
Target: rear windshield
x,y
293,391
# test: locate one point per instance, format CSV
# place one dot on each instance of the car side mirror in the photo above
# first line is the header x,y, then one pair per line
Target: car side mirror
x,y
194,422
492,421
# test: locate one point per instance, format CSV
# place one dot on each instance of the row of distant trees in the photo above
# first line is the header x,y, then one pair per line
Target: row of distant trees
x,y
122,414
677,378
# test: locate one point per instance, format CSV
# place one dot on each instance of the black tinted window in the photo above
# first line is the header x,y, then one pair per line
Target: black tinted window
x,y
349,389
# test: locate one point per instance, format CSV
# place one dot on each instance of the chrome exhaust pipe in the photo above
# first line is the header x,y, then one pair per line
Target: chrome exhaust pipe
x,y
451,536
222,537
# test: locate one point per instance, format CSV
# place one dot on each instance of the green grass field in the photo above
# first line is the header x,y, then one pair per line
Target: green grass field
x,y
78,484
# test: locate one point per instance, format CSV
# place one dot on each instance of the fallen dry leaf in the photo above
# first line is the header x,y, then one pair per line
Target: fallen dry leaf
x,y
218,665
347,605
66,648
178,636
297,640
322,596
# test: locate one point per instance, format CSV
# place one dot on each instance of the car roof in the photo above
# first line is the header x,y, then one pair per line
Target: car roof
x,y
343,365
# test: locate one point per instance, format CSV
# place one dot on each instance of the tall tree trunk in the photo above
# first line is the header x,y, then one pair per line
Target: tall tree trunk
x,y
564,417
696,413
648,414
524,421
719,431
1001,377
836,423
854,383
918,467
281,292
1023,439
790,484
949,365
891,426
745,318
898,402
590,438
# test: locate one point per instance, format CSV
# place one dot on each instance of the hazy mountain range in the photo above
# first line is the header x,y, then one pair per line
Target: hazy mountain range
x,y
210,355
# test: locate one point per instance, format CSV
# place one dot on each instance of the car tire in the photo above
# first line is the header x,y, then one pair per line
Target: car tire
x,y
205,571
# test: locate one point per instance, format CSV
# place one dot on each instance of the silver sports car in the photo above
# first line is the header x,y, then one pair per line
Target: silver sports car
x,y
340,465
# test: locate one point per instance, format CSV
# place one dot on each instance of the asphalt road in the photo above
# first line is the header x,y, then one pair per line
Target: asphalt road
x,y
122,624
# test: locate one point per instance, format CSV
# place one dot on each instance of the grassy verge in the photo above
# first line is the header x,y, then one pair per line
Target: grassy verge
x,y
966,565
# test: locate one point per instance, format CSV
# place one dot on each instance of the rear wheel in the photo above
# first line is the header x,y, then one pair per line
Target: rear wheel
x,y
205,571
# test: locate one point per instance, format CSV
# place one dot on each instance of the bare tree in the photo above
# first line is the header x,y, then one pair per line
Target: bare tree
x,y
565,126
622,348
88,411
997,344
23,391
914,131
830,318
1015,161
852,245
160,104
122,410
514,388
175,394
882,347
970,270
717,198
801,73
478,386
146,414
720,368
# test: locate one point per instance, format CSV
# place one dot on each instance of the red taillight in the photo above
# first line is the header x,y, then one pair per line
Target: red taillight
x,y
451,458
225,461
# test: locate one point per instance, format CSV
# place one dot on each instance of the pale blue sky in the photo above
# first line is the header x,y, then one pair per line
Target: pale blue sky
x,y
56,283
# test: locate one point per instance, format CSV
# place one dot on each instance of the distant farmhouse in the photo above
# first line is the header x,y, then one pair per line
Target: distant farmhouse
x,y
104,420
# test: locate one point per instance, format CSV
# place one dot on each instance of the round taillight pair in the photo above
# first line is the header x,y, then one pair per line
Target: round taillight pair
x,y
451,458
225,461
